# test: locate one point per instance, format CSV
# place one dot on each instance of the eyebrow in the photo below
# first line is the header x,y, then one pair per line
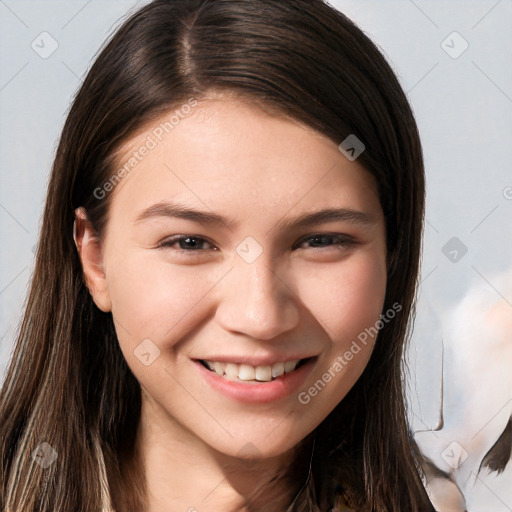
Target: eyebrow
x,y
181,211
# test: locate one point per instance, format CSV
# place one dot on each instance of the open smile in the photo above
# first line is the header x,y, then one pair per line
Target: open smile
x,y
248,373
241,381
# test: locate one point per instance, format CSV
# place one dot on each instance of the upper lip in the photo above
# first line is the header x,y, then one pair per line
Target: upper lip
x,y
255,360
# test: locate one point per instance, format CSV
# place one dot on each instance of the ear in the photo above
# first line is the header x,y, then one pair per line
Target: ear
x,y
90,253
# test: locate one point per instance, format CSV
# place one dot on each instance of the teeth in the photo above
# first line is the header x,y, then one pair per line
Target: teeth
x,y
218,368
277,369
289,366
264,373
231,371
246,372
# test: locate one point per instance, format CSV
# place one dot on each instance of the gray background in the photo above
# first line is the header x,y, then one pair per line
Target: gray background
x,y
463,105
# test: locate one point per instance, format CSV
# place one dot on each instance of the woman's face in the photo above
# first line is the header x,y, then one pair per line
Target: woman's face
x,y
252,286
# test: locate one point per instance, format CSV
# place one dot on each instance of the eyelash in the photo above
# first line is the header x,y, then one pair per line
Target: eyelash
x,y
342,241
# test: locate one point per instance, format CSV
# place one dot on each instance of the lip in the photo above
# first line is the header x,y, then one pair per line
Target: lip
x,y
261,392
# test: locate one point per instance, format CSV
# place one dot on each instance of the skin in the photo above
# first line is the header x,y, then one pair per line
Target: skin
x,y
298,296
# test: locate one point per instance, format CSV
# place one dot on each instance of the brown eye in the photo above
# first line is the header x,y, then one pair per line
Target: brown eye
x,y
323,240
186,243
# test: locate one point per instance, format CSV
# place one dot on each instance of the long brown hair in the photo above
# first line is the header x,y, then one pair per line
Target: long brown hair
x,y
68,384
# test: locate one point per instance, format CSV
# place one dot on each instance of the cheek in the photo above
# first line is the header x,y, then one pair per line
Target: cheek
x,y
153,299
348,303
348,298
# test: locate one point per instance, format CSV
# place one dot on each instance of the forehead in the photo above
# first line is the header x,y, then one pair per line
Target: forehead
x,y
226,153
224,128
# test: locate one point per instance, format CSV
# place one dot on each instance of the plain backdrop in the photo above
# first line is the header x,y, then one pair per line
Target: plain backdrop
x,y
453,59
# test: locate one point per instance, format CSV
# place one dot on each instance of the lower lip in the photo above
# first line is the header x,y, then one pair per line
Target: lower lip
x,y
262,392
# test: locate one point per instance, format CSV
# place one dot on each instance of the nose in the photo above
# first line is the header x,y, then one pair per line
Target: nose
x,y
257,302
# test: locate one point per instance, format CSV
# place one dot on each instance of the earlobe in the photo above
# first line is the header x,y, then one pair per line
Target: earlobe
x,y
90,252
